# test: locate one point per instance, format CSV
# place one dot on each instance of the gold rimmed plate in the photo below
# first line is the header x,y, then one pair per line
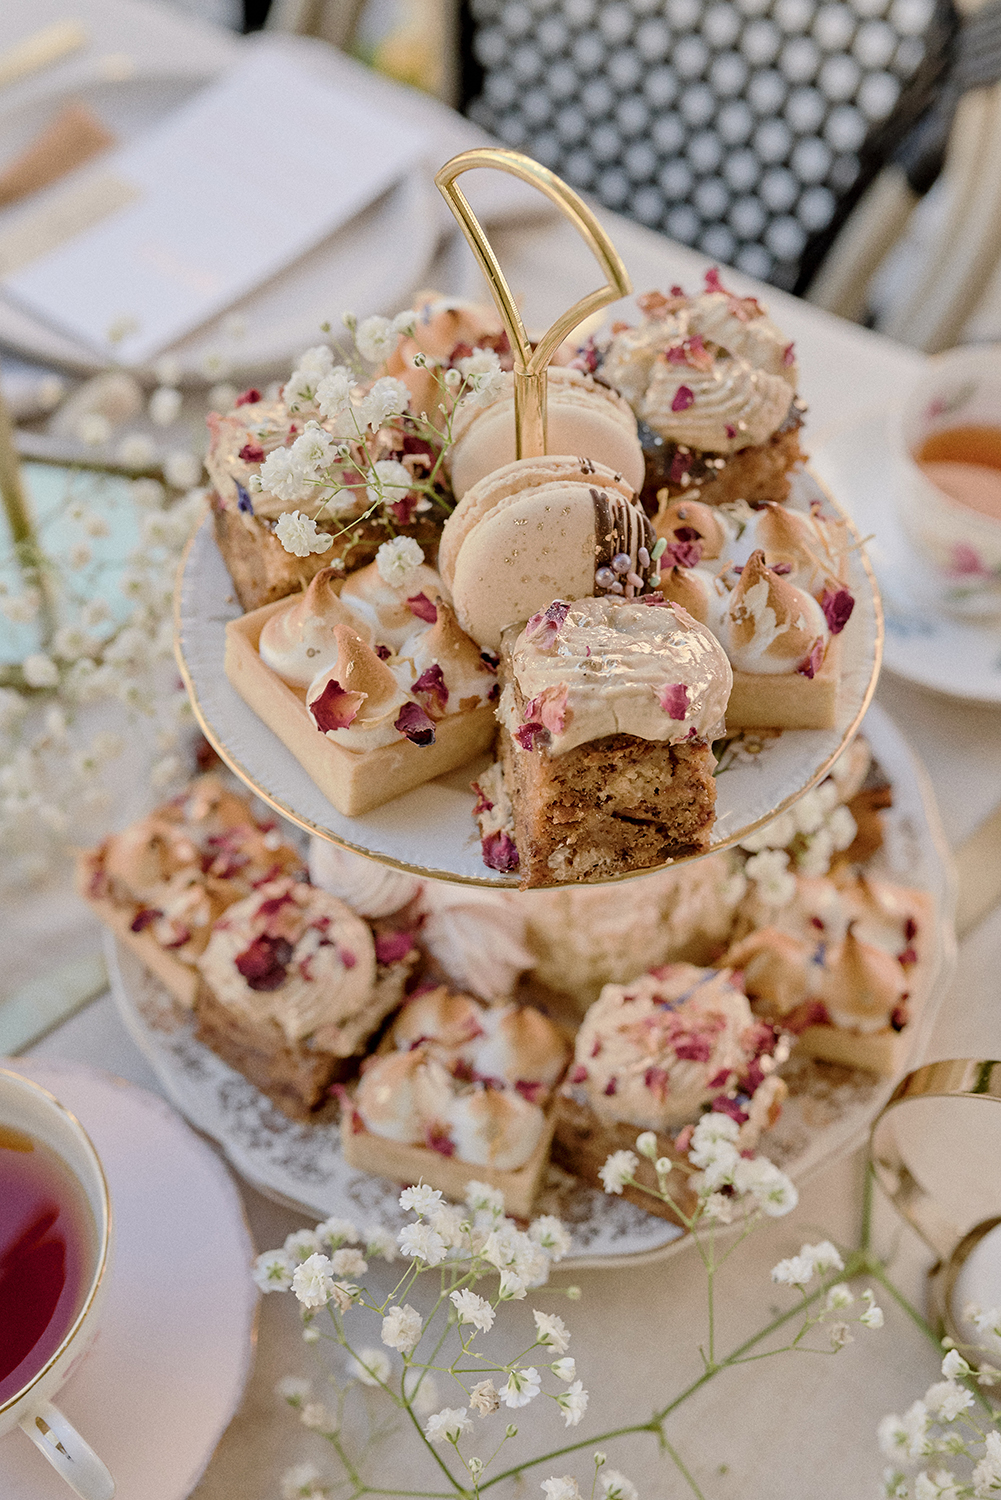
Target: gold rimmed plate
x,y
430,831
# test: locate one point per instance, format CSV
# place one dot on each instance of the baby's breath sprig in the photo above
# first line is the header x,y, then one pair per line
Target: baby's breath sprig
x,y
355,427
450,1250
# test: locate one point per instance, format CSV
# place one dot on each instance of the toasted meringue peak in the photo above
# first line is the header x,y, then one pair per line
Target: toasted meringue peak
x,y
677,518
811,546
520,1044
446,644
494,1128
770,625
440,1015
401,1094
696,590
384,609
298,642
358,671
778,969
863,985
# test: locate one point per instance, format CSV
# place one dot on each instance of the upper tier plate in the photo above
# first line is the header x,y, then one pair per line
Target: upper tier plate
x,y
430,831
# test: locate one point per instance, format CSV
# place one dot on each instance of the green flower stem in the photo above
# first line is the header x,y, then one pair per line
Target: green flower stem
x,y
682,1470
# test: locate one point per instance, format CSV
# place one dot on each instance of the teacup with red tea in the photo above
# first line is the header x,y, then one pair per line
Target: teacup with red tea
x,y
55,1241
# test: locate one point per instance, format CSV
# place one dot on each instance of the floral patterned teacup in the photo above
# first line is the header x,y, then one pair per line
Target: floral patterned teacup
x,y
960,388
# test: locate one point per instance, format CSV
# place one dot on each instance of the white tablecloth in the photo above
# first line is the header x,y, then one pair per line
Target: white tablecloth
x,y
802,1426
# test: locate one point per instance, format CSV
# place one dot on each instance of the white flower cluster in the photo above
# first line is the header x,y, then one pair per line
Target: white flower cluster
x,y
918,1435
465,1243
68,710
805,838
725,1181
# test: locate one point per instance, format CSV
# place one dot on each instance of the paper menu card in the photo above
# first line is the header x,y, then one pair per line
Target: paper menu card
x,y
237,184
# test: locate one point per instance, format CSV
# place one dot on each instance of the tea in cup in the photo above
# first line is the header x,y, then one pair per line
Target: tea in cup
x,y
55,1243
951,501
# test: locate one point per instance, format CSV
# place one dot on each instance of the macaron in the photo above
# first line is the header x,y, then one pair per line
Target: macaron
x,y
584,418
537,530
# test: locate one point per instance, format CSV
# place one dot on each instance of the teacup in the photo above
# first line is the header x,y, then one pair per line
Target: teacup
x,y
33,1121
955,407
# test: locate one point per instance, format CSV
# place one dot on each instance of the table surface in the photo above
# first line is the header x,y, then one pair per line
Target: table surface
x,y
774,1429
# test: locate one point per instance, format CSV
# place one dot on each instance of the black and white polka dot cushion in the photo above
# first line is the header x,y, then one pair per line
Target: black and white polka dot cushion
x,y
731,125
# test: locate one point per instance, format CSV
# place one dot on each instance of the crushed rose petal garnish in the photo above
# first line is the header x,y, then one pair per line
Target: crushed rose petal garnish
x,y
431,685
684,397
499,851
421,606
415,724
811,666
335,708
837,605
673,699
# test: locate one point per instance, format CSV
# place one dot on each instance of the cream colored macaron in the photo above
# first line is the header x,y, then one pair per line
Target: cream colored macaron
x,y
584,418
537,530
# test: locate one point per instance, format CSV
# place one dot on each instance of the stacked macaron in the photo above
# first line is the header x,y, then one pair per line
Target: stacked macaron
x,y
583,417
541,529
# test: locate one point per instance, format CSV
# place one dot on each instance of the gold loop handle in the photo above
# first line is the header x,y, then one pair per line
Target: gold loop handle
x,y
955,1078
530,366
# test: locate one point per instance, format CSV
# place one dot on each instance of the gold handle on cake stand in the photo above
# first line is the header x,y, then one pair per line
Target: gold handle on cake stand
x,y
530,366
910,1189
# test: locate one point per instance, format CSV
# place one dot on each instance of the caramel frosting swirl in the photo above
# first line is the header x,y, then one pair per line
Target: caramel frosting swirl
x,y
622,667
728,406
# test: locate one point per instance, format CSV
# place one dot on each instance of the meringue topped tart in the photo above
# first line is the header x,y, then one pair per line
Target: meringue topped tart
x,y
372,685
462,1090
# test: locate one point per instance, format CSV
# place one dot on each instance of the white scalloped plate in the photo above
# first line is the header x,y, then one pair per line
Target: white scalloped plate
x,y
430,831
167,1370
301,1165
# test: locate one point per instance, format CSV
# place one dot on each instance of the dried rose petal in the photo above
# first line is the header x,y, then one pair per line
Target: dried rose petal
x,y
531,736
682,554
684,397
382,652
437,1138
811,1013
549,708
249,397
403,510
658,1081
421,606
731,431
431,683
837,605
673,699
789,354
713,281
534,1091
274,904
391,947
335,708
252,453
499,851
722,1105
811,666
695,1048
578,1074
264,965
543,628
143,918
415,724
483,803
